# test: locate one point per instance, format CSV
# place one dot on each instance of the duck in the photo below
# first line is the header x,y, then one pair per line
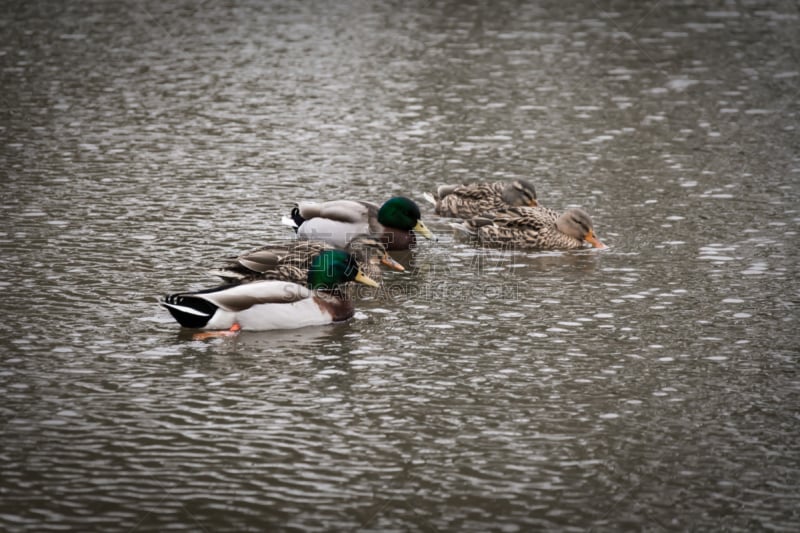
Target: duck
x,y
290,261
537,228
273,304
473,199
337,222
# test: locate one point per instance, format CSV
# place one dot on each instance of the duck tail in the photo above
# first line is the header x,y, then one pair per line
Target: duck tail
x,y
462,227
294,220
297,217
471,226
286,221
228,275
189,311
429,197
444,190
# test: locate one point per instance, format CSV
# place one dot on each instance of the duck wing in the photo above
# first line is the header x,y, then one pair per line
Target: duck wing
x,y
240,297
348,211
469,200
527,218
287,262
524,227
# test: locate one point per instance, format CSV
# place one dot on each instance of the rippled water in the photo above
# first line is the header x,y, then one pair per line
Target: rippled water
x,y
651,386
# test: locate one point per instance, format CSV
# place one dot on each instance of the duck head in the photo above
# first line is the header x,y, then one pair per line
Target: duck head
x,y
402,213
368,248
576,223
332,268
520,193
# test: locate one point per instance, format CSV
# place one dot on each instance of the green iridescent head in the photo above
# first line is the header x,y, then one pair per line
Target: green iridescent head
x,y
402,213
331,268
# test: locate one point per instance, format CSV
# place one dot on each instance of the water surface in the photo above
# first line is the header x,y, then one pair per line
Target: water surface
x,y
651,386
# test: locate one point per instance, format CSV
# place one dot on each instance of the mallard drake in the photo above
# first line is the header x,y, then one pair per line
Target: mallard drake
x,y
533,228
290,261
272,304
338,221
473,199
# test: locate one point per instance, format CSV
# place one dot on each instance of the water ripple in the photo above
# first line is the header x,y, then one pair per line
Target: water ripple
x,y
479,390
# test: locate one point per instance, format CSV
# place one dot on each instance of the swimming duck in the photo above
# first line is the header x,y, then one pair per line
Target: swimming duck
x,y
533,228
473,199
290,261
338,221
273,304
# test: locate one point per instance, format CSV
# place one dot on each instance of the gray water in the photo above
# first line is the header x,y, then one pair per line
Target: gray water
x,y
652,386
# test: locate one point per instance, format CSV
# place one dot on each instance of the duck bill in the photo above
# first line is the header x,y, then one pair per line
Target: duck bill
x,y
389,262
533,203
423,230
366,280
594,241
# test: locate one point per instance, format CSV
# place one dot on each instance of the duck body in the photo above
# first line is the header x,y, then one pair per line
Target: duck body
x,y
470,200
337,222
274,304
537,228
257,306
291,260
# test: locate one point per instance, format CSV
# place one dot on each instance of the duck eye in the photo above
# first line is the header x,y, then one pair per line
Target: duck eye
x,y
581,224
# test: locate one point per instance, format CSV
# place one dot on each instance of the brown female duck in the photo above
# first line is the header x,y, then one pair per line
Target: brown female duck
x,y
533,228
470,200
289,261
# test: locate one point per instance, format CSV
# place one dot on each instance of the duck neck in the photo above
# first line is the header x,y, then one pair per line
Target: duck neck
x,y
397,239
336,305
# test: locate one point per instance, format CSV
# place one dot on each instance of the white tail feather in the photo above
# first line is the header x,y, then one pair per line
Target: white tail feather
x,y
287,221
428,196
184,309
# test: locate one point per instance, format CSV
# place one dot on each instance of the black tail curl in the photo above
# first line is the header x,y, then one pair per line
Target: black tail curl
x,y
297,218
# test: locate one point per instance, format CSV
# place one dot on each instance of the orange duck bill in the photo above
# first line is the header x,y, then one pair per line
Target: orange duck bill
x,y
388,261
592,239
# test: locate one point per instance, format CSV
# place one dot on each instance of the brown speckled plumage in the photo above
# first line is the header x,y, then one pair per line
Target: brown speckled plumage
x,y
470,200
534,228
289,261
